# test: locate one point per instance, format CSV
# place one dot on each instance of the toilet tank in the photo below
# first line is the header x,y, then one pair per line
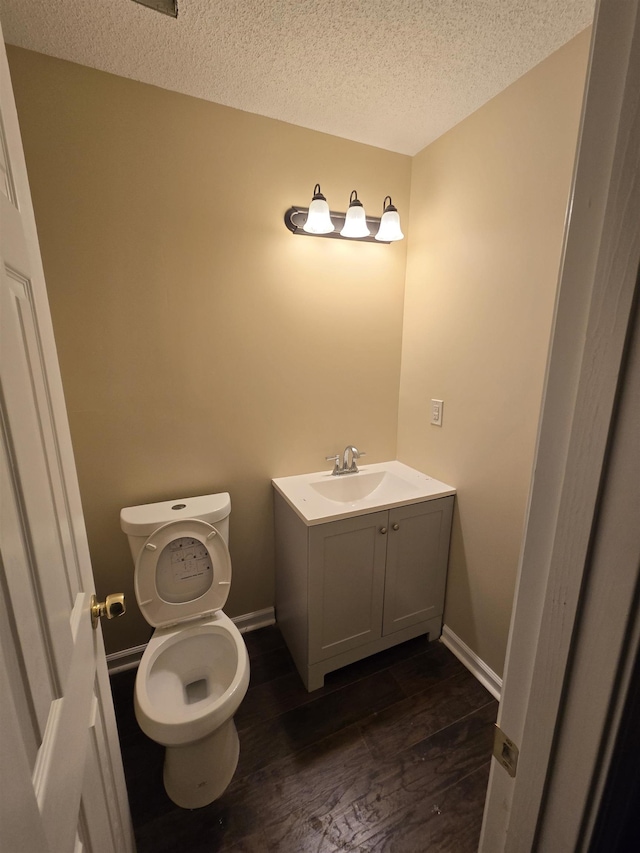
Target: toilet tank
x,y
139,522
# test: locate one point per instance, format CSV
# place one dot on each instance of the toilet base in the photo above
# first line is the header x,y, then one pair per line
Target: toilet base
x,y
198,773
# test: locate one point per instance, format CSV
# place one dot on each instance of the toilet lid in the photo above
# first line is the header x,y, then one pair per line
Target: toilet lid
x,y
183,571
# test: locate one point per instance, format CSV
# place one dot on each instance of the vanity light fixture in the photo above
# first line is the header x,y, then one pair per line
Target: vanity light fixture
x,y
389,230
318,221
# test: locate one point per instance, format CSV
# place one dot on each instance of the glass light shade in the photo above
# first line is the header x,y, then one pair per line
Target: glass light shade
x,y
355,222
389,230
318,217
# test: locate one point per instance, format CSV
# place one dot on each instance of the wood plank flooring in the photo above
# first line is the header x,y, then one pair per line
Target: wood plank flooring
x,y
391,755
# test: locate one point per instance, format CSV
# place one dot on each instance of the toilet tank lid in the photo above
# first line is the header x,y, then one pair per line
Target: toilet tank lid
x,y
143,520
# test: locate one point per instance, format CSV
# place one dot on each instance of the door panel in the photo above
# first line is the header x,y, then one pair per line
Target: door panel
x,y
417,556
62,780
20,827
346,582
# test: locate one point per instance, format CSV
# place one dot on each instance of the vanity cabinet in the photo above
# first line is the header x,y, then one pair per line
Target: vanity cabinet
x,y
349,588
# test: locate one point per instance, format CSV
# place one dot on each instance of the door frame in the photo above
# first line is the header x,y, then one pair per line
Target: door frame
x,y
550,683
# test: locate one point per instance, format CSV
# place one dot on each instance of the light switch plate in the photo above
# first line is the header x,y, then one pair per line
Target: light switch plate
x,y
436,412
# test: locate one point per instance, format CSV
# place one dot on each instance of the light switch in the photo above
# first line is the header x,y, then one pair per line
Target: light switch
x,y
436,412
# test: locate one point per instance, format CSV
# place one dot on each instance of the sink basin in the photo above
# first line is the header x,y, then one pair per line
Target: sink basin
x,y
350,488
321,497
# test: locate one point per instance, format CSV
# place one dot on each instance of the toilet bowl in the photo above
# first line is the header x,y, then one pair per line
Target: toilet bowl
x,y
194,672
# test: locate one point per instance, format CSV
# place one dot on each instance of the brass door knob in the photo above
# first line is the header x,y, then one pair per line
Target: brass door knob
x,y
113,605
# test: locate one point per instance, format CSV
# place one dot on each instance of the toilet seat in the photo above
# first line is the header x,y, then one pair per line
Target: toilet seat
x,y
170,659
183,571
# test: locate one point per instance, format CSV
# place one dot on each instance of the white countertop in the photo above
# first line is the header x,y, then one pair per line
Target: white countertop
x,y
321,496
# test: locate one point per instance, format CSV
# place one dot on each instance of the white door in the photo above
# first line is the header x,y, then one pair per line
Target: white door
x,y
61,779
562,588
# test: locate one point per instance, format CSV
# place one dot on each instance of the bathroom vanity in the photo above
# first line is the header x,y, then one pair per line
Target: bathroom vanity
x,y
361,563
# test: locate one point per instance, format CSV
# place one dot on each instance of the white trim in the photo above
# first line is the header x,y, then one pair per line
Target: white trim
x,y
476,666
130,658
125,659
255,620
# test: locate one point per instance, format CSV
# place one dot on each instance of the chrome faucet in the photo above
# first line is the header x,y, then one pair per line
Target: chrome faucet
x,y
349,456
352,451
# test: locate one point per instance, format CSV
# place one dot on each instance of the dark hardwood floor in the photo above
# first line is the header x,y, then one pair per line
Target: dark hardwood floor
x,y
392,755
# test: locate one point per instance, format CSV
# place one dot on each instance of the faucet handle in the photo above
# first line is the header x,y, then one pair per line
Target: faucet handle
x,y
356,455
336,462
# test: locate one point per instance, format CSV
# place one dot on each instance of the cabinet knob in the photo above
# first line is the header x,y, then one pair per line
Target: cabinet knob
x,y
383,530
396,526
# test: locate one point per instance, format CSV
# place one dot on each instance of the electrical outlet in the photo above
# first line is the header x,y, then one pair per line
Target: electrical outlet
x,y
436,412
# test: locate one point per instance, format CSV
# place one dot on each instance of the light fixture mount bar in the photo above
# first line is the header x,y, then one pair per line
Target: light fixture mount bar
x,y
295,218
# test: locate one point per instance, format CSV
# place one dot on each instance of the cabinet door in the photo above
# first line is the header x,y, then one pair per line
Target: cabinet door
x,y
346,584
417,556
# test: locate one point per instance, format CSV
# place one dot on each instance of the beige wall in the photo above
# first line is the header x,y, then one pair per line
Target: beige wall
x,y
203,347
488,201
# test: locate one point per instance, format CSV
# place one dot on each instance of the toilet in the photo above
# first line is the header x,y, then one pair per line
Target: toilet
x,y
194,672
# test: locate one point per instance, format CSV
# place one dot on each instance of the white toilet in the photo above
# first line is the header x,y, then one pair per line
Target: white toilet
x,y
194,672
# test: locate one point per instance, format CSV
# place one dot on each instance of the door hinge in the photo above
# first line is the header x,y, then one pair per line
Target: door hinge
x,y
505,751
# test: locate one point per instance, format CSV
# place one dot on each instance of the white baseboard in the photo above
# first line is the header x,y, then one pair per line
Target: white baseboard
x,y
255,620
126,659
130,658
485,675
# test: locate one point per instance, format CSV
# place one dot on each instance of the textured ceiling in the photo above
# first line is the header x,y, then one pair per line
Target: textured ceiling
x,y
391,73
